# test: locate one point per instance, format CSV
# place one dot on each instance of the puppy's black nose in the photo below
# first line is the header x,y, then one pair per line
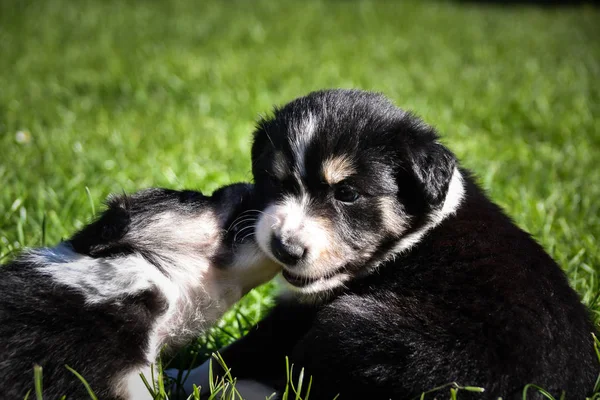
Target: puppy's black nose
x,y
288,251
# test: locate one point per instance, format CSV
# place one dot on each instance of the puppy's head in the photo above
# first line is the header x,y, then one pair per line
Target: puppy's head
x,y
182,232
346,180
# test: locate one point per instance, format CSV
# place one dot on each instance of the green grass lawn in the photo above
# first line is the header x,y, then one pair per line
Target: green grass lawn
x,y
109,96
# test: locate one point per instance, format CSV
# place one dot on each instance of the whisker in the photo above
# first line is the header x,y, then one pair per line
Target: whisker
x,y
248,211
242,215
243,218
236,244
261,212
241,230
238,222
247,236
242,221
246,216
245,228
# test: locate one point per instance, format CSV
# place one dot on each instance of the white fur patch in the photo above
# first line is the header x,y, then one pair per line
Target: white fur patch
x,y
304,133
134,386
289,219
99,280
170,231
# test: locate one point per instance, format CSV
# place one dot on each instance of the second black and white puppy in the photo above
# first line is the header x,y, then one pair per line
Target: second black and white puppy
x,y
154,270
405,275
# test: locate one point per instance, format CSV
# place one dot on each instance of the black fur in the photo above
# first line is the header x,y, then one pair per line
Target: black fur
x,y
50,324
477,301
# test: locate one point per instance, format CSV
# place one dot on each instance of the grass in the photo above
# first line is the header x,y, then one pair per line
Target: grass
x,y
117,95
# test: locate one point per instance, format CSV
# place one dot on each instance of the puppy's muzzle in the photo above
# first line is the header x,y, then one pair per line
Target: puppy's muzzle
x,y
287,250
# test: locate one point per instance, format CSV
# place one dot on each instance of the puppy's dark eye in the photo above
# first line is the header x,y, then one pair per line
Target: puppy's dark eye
x,y
346,194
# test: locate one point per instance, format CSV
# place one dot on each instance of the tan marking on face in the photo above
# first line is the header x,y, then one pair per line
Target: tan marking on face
x,y
393,216
336,169
328,252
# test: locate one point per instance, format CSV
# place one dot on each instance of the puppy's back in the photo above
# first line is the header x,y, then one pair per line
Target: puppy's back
x,y
47,323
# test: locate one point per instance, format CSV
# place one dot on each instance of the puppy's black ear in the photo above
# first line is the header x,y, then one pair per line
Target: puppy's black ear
x,y
103,237
427,166
262,145
432,165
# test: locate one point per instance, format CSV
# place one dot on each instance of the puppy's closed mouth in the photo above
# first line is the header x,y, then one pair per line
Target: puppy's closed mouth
x,y
297,280
309,285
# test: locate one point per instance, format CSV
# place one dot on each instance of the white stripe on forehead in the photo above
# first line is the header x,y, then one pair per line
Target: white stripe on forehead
x,y
295,210
303,132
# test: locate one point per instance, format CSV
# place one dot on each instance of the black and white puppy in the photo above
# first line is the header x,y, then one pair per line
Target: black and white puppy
x,y
406,276
154,270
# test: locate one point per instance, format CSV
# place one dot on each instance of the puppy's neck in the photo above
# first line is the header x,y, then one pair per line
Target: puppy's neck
x,y
452,202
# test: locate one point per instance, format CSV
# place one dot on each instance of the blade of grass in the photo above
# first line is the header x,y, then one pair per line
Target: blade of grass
x,y
37,376
211,381
91,201
452,385
597,349
286,392
539,389
44,219
300,382
84,382
148,386
453,393
196,392
309,387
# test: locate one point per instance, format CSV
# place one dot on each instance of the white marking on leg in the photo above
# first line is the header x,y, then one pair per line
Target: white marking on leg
x,y
131,386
